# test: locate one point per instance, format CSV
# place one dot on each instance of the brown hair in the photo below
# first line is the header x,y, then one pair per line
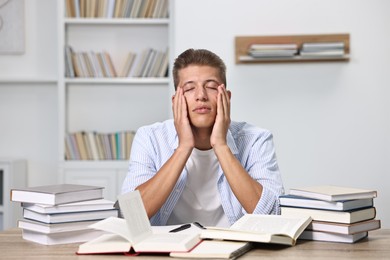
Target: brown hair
x,y
200,57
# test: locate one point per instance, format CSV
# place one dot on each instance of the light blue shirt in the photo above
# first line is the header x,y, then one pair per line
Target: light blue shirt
x,y
153,145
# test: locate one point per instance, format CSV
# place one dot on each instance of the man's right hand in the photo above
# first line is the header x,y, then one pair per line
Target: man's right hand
x,y
181,120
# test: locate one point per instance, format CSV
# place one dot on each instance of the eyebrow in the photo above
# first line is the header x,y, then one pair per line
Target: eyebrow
x,y
204,82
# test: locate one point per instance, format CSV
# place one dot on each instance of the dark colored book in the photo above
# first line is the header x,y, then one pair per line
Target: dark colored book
x,y
303,202
56,194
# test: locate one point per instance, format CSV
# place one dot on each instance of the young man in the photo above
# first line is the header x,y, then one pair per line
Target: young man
x,y
201,166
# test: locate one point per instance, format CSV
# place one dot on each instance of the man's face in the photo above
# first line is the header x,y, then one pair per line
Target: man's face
x,y
200,88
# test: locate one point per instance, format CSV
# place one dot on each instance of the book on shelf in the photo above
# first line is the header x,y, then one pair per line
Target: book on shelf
x,y
135,232
88,205
348,229
347,217
60,238
216,249
344,205
333,193
322,46
46,228
69,216
56,194
262,229
332,237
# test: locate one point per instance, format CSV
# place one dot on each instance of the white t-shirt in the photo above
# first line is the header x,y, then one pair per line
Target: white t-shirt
x,y
200,200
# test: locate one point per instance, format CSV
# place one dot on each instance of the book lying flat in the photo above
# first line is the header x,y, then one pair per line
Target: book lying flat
x,y
45,228
333,193
216,249
347,217
332,237
57,194
302,202
135,233
60,238
347,229
261,228
70,216
89,205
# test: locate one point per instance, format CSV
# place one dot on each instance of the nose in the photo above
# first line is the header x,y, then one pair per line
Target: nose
x,y
201,94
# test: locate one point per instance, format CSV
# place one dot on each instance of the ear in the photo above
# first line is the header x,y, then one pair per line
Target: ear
x,y
229,94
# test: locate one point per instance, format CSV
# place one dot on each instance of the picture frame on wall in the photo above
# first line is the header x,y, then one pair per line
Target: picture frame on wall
x,y
12,28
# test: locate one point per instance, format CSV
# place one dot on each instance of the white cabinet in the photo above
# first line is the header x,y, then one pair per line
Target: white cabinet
x,y
13,174
108,104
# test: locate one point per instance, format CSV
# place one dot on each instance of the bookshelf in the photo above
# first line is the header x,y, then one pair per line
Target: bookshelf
x,y
110,103
13,174
243,43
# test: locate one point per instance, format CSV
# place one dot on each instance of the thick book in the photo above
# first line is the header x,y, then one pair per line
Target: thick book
x,y
332,237
70,216
60,238
89,205
347,217
333,193
57,194
134,233
262,229
46,228
303,202
348,229
216,249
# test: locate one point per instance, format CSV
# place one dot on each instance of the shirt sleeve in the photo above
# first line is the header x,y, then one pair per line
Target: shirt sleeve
x,y
263,167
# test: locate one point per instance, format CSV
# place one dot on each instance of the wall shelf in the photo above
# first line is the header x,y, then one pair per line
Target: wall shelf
x,y
242,44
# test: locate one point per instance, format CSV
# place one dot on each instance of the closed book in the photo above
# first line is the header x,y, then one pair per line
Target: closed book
x,y
89,205
45,228
302,202
333,193
332,237
57,194
60,238
216,249
262,229
347,217
341,228
69,217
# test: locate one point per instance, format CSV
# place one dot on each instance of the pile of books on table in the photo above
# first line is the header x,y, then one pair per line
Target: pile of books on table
x,y
61,214
340,214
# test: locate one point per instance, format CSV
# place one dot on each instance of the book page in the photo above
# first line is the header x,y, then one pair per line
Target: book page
x,y
268,224
113,225
135,215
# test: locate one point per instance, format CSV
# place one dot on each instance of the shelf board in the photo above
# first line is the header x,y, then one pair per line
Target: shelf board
x,y
243,43
103,164
115,21
119,81
33,80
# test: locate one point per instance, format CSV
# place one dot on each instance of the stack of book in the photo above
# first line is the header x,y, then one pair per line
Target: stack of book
x,y
61,214
340,214
322,50
269,51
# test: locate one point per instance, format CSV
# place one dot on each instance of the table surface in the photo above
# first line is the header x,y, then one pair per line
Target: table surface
x,y
376,246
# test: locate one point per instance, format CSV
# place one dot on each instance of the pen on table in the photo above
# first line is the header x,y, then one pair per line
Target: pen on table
x,y
198,225
182,227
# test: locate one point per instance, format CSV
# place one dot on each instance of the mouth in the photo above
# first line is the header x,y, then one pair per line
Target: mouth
x,y
202,110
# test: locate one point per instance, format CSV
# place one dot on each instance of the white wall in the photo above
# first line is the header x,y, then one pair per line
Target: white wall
x,y
28,111
330,120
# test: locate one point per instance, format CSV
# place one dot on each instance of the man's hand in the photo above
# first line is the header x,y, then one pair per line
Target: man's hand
x,y
222,121
181,120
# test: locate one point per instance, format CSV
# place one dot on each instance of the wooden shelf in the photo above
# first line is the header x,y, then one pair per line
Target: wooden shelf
x,y
242,44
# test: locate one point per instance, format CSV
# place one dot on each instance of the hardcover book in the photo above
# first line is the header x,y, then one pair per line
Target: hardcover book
x,y
262,229
303,202
135,233
332,237
57,194
348,229
333,193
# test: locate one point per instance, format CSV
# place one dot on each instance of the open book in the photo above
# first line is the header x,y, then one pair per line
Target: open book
x,y
135,232
275,229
